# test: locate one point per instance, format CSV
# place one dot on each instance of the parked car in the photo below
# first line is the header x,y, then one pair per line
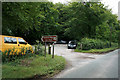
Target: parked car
x,y
61,42
11,42
72,45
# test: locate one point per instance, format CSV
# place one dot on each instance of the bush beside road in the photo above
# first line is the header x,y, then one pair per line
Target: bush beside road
x,y
87,45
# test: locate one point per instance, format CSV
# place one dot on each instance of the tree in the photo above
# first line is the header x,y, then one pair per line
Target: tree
x,y
72,21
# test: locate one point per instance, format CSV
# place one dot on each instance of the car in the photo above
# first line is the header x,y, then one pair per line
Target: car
x,y
61,42
72,45
16,43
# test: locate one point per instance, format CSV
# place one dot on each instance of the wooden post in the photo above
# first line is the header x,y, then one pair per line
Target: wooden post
x,y
49,49
53,51
45,49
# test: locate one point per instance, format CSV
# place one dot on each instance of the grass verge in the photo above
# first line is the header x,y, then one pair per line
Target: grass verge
x,y
105,50
38,66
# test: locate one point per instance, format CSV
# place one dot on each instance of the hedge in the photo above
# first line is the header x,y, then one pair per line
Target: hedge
x,y
87,44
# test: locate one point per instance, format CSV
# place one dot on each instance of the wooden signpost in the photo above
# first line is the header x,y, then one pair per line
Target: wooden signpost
x,y
50,39
53,51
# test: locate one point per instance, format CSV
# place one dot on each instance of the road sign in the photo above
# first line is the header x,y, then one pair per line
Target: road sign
x,y
50,38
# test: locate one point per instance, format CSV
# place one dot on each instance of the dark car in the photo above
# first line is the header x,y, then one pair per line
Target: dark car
x,y
72,45
61,42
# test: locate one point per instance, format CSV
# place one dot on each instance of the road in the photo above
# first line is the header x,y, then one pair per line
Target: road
x,y
85,65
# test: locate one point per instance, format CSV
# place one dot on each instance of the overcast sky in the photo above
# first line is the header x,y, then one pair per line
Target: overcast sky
x,y
112,4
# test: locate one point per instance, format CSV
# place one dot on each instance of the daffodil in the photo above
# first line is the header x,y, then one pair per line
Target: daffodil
x,y
6,53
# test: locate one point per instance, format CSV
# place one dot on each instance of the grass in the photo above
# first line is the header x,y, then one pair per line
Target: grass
x,y
33,66
105,50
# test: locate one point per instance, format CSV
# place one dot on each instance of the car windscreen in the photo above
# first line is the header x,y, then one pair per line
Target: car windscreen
x,y
21,41
10,40
72,43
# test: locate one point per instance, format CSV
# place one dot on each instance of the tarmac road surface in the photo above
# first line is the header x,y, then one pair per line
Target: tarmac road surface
x,y
85,65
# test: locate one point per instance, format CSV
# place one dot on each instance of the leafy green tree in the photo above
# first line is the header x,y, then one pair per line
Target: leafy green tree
x,y
74,20
29,20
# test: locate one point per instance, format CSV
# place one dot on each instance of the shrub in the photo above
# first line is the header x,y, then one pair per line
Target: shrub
x,y
12,54
88,44
39,50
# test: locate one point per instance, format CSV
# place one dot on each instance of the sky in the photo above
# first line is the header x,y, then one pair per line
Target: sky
x,y
112,4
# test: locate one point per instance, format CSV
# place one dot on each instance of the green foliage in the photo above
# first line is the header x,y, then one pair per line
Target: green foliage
x,y
33,66
29,20
12,55
105,50
88,44
91,20
39,50
75,20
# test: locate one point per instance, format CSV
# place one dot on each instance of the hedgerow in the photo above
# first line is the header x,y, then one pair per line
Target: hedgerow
x,y
87,44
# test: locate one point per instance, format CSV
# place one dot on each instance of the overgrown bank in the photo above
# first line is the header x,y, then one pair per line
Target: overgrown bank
x,y
31,65
87,45
97,50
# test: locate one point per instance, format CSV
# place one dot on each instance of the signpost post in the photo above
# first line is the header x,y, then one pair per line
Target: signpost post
x,y
49,50
45,49
53,51
51,39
